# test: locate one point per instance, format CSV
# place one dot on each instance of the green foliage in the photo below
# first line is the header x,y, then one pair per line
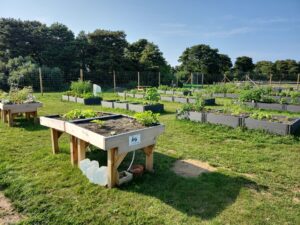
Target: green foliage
x,y
164,87
251,95
147,118
80,114
17,96
100,123
81,87
261,116
152,95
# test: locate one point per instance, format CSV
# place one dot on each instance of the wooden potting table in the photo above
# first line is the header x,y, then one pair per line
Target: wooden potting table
x,y
116,146
9,111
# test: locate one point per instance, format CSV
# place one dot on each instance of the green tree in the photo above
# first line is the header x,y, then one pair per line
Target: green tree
x,y
202,59
243,66
263,70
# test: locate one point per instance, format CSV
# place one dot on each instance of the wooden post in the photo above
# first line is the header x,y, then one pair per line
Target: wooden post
x,y
41,81
55,134
202,79
114,74
81,149
112,173
74,151
298,79
138,80
10,118
81,74
270,82
149,157
158,78
191,78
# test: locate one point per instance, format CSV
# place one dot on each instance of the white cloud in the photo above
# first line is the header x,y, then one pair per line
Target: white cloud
x,y
230,33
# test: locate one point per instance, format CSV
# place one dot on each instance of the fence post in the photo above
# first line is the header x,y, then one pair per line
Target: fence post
x,y
202,79
298,79
81,74
159,78
271,75
114,74
41,80
192,78
138,80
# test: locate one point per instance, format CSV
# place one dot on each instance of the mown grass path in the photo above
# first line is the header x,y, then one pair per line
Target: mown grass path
x,y
257,181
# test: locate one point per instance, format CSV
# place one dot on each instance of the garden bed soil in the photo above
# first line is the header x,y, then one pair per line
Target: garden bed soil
x,y
117,125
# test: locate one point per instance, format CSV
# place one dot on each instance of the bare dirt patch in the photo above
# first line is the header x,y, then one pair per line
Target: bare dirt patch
x,y
191,168
8,215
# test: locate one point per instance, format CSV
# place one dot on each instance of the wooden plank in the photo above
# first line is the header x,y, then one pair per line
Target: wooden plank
x,y
149,157
74,150
81,150
52,123
55,134
112,173
120,158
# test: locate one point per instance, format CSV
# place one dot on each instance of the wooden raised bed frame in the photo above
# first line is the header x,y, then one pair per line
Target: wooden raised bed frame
x,y
9,111
117,146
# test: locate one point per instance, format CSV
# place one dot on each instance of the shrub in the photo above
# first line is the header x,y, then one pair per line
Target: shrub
x,y
147,118
164,87
81,87
152,95
251,95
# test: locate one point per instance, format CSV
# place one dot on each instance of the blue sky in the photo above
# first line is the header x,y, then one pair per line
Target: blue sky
x,y
263,30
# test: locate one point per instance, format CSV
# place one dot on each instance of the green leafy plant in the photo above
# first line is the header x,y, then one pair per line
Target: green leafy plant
x,y
81,87
147,118
100,123
80,114
261,116
152,95
17,96
164,87
251,95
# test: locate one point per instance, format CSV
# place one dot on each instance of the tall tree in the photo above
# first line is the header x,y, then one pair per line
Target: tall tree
x,y
243,66
264,69
201,59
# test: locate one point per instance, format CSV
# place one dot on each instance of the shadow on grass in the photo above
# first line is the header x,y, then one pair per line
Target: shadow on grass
x,y
29,125
204,196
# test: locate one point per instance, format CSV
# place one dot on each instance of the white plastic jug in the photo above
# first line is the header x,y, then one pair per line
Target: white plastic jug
x,y
84,165
100,176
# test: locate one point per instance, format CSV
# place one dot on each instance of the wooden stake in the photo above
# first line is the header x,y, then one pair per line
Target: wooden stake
x,y
41,81
298,79
158,78
202,79
55,134
149,157
114,74
81,74
112,173
270,82
138,80
74,151
191,78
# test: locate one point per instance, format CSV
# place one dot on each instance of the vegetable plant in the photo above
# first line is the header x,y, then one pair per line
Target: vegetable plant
x,y
79,114
147,118
100,123
81,87
261,116
152,95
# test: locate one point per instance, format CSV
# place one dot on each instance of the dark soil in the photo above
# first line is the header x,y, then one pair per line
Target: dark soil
x,y
113,126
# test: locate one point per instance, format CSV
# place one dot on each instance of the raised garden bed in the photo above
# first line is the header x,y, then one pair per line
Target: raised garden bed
x,y
180,99
274,106
89,101
131,95
122,94
9,111
182,92
167,98
282,128
117,135
137,107
170,92
108,103
207,101
140,96
65,97
197,116
121,105
161,91
223,119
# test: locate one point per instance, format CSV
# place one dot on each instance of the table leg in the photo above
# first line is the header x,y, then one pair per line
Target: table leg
x,y
10,118
55,135
112,173
149,157
74,150
82,145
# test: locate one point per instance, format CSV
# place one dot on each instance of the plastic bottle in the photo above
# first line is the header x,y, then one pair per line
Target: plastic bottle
x,y
100,176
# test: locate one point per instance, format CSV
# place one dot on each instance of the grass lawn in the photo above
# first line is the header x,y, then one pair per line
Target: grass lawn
x,y
257,179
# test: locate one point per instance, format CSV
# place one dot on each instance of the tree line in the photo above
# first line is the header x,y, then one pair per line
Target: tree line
x,y
26,46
